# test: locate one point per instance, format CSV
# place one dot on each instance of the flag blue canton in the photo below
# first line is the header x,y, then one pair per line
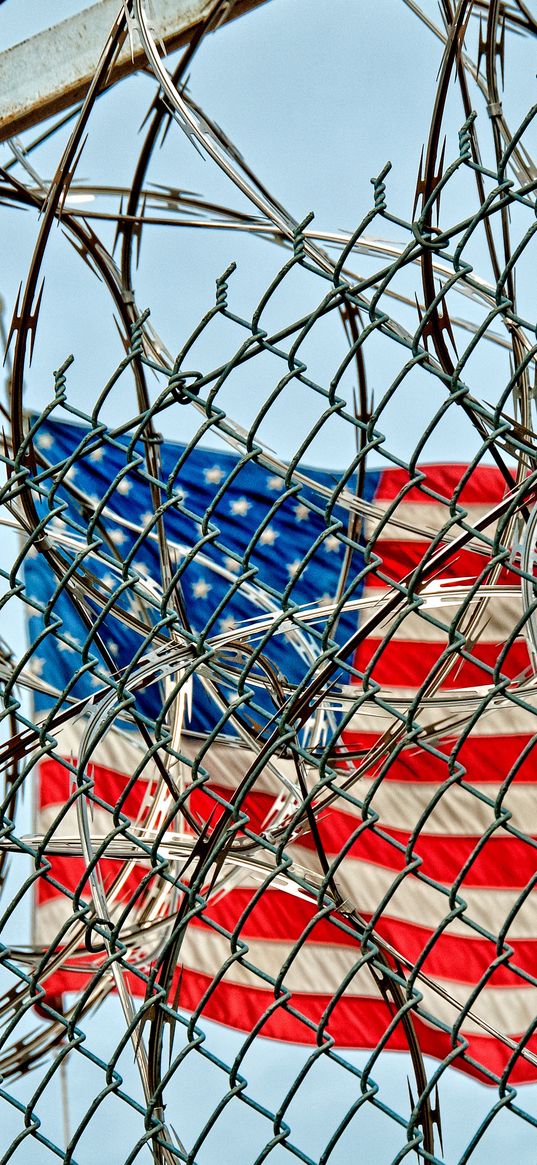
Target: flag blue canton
x,y
241,538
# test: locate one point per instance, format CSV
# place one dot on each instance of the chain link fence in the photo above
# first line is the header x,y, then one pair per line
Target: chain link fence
x,y
281,719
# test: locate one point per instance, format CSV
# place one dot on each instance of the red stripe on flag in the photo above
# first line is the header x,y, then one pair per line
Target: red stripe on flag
x,y
398,559
484,487
408,663
486,759
353,1022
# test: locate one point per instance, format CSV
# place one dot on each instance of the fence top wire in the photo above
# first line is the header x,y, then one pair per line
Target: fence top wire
x,y
282,718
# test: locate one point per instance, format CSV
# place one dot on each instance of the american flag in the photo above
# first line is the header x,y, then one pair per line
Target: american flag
x,y
435,844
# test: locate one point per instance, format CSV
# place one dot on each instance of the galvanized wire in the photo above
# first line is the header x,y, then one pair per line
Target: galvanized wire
x,y
292,728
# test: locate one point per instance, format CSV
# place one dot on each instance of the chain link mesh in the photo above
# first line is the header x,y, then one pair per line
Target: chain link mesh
x,y
174,610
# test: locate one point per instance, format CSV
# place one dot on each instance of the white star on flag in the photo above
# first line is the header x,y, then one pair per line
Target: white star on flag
x,y
44,441
118,537
332,543
97,454
124,486
200,589
76,644
301,512
213,475
240,507
228,624
294,567
268,536
231,565
275,483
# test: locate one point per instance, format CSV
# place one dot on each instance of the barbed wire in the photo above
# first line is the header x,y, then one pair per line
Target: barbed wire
x,y
257,722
